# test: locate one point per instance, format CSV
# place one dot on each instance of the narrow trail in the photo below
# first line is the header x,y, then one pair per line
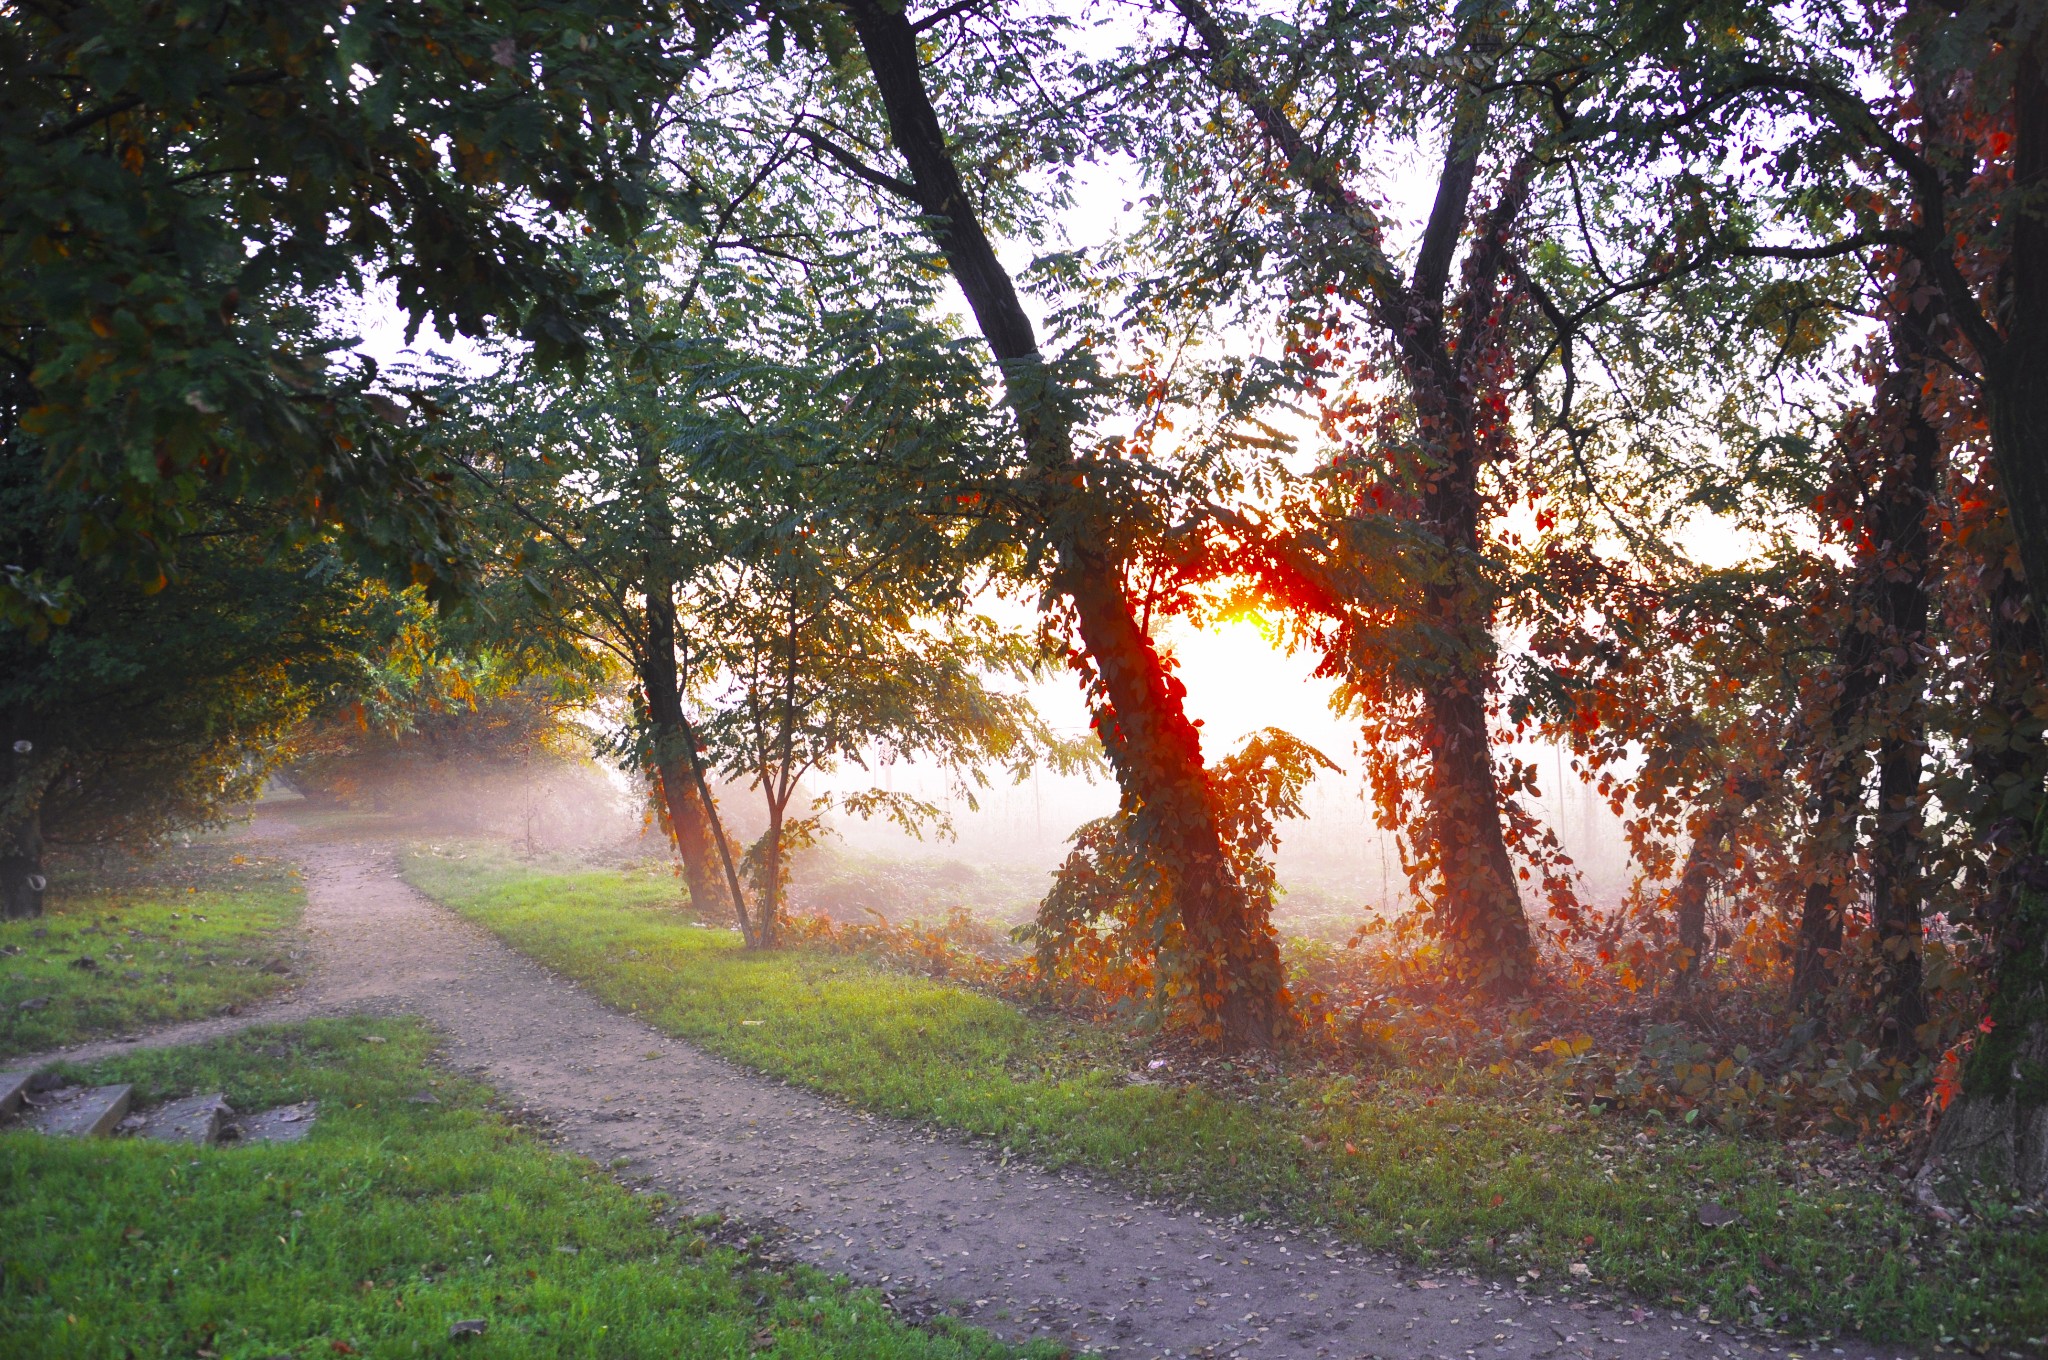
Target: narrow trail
x,y
936,1222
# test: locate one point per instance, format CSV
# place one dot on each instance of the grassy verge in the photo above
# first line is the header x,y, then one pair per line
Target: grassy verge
x,y
396,1218
188,934
1443,1166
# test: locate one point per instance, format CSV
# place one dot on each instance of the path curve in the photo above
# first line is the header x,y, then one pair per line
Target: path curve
x,y
936,1222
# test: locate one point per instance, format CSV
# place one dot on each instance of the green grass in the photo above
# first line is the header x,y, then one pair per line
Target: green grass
x,y
188,934
1443,1166
392,1220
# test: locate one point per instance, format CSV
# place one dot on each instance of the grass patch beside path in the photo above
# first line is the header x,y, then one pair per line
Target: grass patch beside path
x,y
1441,1167
394,1219
186,934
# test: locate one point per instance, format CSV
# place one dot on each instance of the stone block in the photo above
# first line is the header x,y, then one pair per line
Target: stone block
x,y
78,1111
195,1119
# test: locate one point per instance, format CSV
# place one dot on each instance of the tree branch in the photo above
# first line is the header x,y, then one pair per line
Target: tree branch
x,y
880,179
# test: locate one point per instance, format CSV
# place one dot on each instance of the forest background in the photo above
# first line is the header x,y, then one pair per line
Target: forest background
x,y
801,441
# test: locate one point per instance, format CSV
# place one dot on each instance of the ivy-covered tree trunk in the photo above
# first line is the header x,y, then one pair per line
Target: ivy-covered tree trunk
x,y
1879,669
1837,805
1997,1128
1911,453
1480,916
1154,747
1157,753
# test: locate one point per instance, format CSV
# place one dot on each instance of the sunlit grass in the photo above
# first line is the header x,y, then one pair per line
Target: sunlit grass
x,y
1444,1167
184,936
396,1218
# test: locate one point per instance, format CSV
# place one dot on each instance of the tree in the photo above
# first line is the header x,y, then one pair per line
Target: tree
x,y
183,188
1923,153
1445,350
785,520
827,655
1140,717
147,714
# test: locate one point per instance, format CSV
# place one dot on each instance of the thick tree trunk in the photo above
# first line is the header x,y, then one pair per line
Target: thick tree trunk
x,y
21,829
690,827
1480,916
1912,453
1879,669
1155,748
686,795
1237,975
1997,1128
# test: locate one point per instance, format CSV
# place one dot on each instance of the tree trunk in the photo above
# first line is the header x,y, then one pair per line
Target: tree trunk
x,y
690,827
686,796
21,828
1480,917
21,870
1997,1128
1880,668
1155,749
1837,802
1912,453
768,922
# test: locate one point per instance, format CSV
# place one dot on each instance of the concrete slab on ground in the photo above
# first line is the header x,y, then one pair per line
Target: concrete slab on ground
x,y
78,1111
285,1124
195,1119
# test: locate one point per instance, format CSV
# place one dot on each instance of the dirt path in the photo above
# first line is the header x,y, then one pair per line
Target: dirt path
x,y
935,1222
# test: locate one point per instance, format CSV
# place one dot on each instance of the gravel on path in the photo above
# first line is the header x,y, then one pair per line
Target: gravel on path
x,y
938,1223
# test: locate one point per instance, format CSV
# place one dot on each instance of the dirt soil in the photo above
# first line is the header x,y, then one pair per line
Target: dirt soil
x,y
937,1223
